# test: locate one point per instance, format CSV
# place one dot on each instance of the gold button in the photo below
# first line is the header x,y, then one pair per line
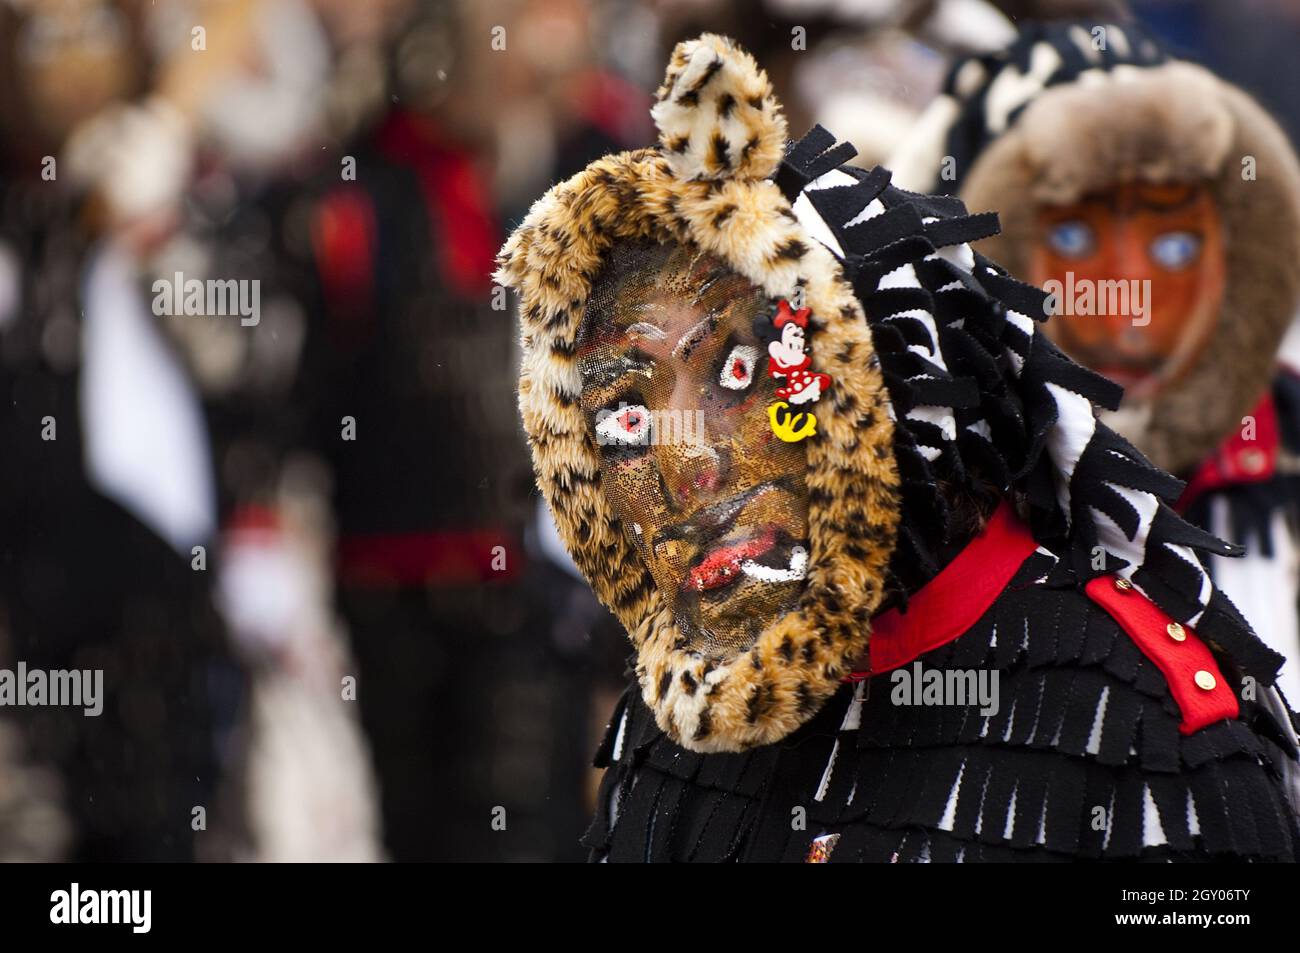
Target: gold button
x,y
1205,680
1176,632
1123,585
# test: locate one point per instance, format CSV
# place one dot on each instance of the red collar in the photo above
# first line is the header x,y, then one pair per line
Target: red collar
x,y
1238,460
954,600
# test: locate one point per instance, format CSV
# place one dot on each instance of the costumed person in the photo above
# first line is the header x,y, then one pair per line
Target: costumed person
x,y
300,787
431,575
805,586
1161,207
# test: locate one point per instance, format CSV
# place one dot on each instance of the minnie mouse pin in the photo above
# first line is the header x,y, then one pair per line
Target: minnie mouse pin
x,y
788,361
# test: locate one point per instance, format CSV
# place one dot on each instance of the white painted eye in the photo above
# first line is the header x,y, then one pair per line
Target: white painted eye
x,y
629,425
738,368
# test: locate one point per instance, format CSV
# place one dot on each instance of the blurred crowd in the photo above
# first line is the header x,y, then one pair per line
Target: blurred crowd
x,y
298,531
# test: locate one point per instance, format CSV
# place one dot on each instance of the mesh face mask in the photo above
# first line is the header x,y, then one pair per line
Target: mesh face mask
x,y
676,390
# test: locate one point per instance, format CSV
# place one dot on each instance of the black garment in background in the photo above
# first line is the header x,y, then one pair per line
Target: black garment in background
x,y
466,706
475,723
83,584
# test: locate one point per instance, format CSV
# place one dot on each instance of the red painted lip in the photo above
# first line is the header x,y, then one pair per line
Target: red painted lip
x,y
721,567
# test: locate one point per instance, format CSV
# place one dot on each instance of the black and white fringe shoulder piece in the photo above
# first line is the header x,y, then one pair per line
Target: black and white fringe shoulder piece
x,y
1085,728
980,396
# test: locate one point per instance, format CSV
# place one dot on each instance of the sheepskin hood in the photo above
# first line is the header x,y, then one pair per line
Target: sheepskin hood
x,y
1054,118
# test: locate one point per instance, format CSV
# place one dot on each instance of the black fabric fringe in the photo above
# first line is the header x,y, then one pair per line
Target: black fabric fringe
x,y
1057,655
981,385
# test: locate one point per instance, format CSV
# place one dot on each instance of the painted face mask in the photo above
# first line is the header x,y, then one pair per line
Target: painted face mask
x,y
1138,274
675,386
1114,167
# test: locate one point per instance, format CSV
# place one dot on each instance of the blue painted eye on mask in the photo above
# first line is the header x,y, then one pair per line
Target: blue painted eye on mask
x,y
1072,239
1175,250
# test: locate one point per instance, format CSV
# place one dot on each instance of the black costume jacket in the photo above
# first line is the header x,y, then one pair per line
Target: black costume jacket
x,y
1085,757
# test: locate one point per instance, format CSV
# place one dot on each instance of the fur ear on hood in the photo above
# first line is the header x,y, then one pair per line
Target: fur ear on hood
x,y
716,115
721,135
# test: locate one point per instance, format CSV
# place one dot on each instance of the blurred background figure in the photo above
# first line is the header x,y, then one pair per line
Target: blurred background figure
x,y
108,482
377,650
254,99
399,391
1161,207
